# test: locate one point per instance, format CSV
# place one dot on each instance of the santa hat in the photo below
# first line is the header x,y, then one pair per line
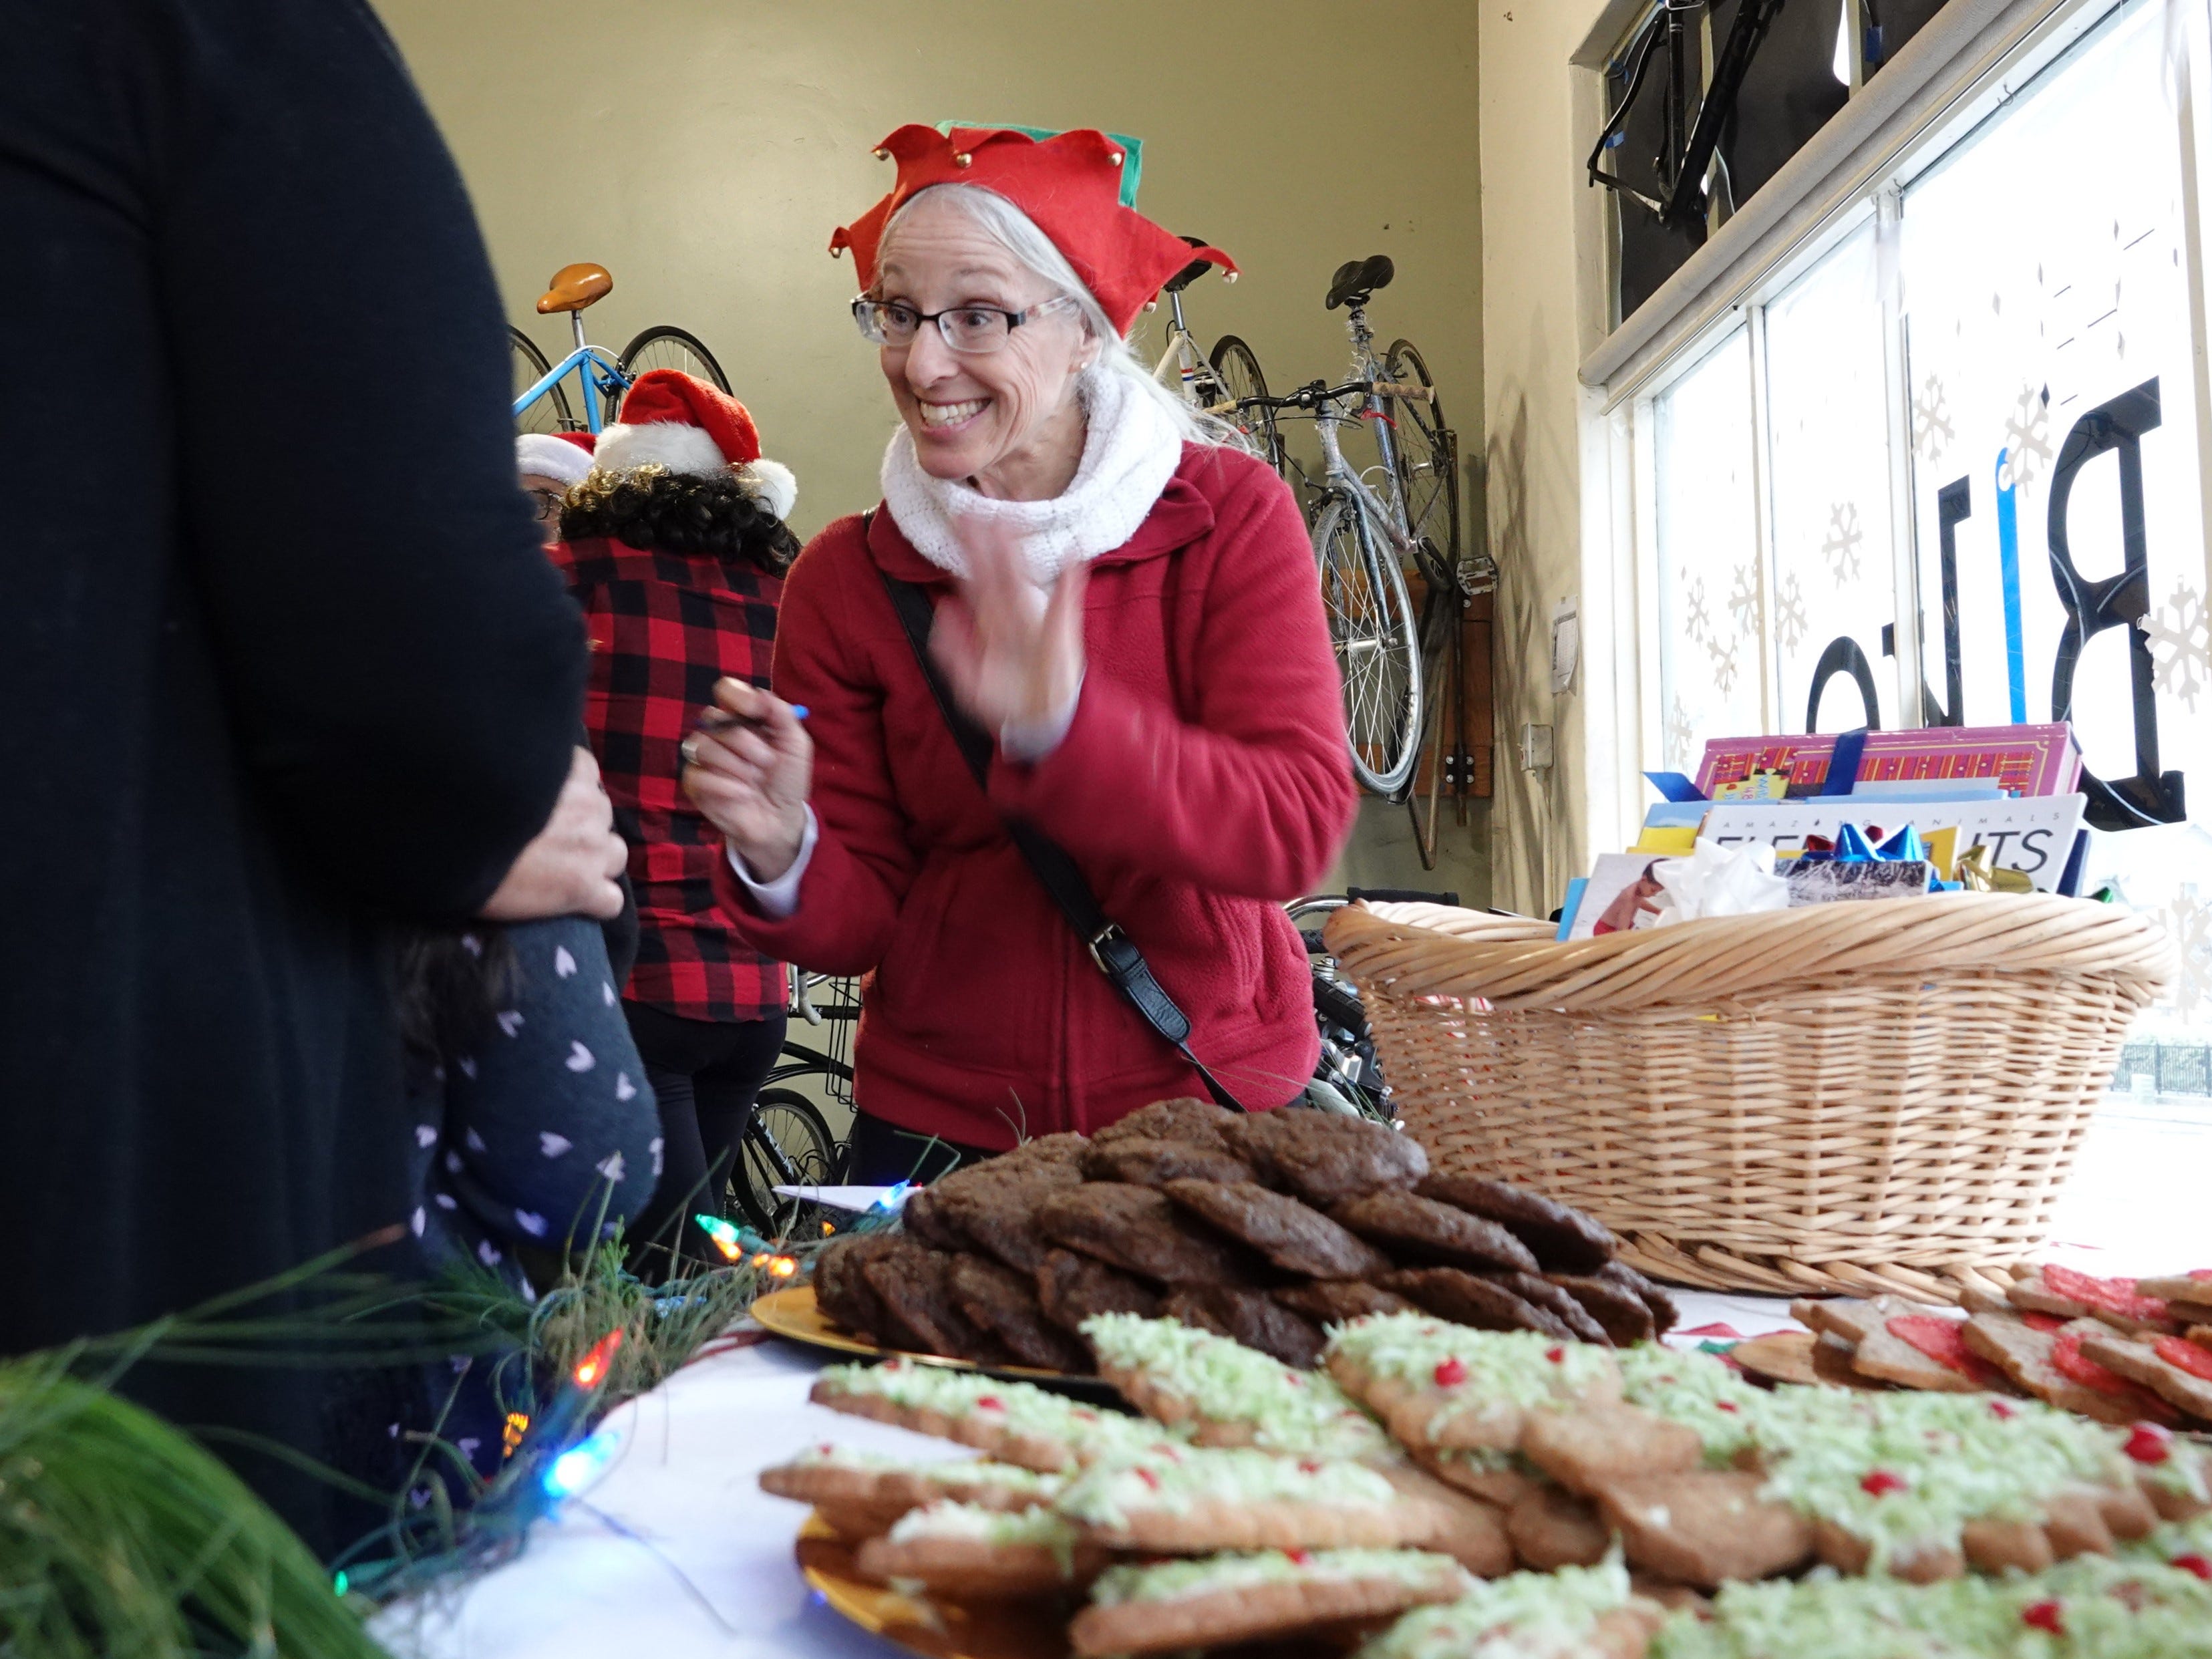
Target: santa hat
x,y
564,456
675,420
1070,185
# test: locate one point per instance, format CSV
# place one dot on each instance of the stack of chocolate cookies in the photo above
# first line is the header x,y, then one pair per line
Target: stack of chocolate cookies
x,y
1263,1228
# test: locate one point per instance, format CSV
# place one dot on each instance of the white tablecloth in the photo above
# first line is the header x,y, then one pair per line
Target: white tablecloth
x,y
676,1550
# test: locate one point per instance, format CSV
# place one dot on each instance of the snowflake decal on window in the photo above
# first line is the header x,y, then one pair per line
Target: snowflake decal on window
x,y
1678,735
1931,420
2180,641
1790,622
2188,922
1743,600
2027,439
1841,548
1724,664
1695,622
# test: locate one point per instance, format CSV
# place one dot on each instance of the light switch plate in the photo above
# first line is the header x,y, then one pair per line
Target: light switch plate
x,y
1536,748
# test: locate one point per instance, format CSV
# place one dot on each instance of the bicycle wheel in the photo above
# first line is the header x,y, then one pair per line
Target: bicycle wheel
x,y
785,1143
1238,371
1371,628
1427,467
664,347
551,412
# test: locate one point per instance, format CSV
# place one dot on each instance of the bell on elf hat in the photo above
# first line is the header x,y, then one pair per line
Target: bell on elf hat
x,y
1069,185
675,420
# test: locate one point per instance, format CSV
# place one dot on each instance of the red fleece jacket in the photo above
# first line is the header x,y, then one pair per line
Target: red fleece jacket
x,y
1203,783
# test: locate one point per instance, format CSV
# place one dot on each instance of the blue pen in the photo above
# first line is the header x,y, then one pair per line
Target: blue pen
x,y
720,719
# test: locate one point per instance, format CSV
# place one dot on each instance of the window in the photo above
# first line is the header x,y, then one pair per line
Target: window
x,y
1835,567
1949,472
2052,396
1709,575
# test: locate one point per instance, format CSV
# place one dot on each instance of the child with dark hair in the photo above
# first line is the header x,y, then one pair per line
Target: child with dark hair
x,y
675,546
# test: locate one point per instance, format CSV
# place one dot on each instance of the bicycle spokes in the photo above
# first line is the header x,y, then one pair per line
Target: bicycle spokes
x,y
1371,632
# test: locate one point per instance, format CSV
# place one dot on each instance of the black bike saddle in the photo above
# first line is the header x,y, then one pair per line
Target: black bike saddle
x,y
1190,273
1356,279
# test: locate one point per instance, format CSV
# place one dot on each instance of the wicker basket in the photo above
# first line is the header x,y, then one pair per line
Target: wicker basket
x,y
1846,1098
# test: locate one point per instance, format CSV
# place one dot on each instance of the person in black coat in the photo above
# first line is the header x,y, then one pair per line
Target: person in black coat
x,y
247,723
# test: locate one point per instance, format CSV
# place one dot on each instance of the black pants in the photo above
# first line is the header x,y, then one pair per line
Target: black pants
x,y
704,1075
883,1154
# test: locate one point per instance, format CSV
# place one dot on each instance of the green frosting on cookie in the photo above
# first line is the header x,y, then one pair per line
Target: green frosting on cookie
x,y
2093,1608
1175,1479
1524,1367
1524,1615
1299,1413
1088,1430
1169,1581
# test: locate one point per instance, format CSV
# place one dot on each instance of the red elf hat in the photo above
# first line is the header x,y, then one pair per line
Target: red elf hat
x,y
1069,185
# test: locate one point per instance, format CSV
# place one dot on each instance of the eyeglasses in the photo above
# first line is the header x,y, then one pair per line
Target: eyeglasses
x,y
974,330
549,504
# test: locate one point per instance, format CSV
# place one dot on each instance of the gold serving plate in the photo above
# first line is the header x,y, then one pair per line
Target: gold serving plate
x,y
791,1313
927,1625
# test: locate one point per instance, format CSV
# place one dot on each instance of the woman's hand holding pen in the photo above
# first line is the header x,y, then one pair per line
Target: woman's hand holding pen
x,y
749,767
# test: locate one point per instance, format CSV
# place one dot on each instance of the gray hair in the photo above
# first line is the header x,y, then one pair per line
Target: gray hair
x,y
1017,233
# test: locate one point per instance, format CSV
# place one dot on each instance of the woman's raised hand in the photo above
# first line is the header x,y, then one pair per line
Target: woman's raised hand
x,y
749,775
1012,654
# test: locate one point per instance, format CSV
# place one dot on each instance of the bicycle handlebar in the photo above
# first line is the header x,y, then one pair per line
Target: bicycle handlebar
x,y
1316,393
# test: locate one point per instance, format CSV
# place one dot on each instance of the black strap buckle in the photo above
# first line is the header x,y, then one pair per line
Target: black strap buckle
x,y
1100,942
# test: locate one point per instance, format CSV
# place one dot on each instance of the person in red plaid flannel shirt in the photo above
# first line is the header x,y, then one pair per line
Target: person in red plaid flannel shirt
x,y
675,546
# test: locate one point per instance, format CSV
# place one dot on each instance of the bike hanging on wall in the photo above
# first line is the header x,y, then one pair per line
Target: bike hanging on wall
x,y
1223,383
1400,672
542,402
1690,123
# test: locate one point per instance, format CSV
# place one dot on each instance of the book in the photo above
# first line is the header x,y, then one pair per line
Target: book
x,y
1669,840
1619,896
2033,835
2021,760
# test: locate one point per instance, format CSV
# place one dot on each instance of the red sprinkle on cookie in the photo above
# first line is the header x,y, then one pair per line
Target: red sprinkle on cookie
x,y
2149,1443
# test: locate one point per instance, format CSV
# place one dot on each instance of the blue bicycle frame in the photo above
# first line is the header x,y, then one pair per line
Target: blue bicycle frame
x,y
612,382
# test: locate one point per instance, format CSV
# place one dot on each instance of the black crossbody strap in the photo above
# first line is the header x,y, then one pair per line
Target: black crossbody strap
x,y
1111,949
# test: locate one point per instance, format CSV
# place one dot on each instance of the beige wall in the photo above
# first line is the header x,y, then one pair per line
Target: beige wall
x,y
1549,451
704,151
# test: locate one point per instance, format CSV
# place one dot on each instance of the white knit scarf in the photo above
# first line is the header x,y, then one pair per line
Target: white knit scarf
x,y
1131,450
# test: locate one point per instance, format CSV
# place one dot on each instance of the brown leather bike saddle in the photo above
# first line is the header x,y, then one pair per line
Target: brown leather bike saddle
x,y
574,287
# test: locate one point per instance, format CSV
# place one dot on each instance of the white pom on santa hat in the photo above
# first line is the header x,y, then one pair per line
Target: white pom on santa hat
x,y
543,455
772,481
680,448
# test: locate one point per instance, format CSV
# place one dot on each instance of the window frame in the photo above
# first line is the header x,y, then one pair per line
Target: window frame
x,y
1764,267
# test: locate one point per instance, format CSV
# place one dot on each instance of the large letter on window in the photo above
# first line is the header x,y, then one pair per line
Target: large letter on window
x,y
1843,657
2119,424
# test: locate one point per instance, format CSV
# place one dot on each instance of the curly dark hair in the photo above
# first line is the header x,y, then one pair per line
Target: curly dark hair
x,y
654,509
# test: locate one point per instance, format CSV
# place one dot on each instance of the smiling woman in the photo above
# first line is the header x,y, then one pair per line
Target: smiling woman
x,y
1124,618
